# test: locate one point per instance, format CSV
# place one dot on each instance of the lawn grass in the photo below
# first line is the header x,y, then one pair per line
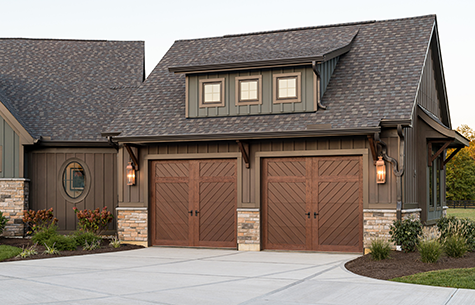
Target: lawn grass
x,y
462,213
8,252
456,278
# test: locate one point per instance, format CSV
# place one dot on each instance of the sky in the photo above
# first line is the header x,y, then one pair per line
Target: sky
x,y
160,23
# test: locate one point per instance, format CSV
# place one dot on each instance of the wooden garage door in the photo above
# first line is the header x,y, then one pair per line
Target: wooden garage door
x,y
193,203
313,203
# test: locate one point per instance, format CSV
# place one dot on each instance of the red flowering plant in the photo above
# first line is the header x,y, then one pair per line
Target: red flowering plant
x,y
95,221
39,220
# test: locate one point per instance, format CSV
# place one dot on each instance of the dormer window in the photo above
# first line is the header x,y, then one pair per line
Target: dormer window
x,y
248,90
212,92
287,88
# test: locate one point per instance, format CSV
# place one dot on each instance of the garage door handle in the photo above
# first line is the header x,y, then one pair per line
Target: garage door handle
x,y
308,214
196,213
315,215
191,213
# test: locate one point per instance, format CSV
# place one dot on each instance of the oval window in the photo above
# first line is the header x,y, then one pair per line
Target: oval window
x,y
74,180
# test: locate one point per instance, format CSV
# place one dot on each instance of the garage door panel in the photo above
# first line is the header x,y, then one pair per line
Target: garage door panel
x,y
286,168
171,169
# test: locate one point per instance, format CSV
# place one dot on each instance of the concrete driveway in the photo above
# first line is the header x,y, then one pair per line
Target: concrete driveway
x,y
206,276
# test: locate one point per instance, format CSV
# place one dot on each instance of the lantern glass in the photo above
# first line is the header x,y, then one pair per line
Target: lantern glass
x,y
130,172
380,171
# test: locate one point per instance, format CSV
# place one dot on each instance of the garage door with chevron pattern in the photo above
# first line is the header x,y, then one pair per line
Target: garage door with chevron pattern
x,y
193,203
313,203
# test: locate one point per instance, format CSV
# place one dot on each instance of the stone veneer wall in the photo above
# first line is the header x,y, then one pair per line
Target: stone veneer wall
x,y
14,199
376,223
248,230
132,226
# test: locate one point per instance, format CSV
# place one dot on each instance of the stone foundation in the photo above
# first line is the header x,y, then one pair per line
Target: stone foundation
x,y
132,226
376,223
248,230
14,196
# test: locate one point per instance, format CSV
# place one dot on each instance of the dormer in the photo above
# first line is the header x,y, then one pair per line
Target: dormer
x,y
285,72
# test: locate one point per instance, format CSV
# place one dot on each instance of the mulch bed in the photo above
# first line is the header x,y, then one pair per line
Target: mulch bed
x,y
23,242
402,264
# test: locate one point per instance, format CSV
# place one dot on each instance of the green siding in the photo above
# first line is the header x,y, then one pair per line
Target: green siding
x,y
326,70
10,142
267,106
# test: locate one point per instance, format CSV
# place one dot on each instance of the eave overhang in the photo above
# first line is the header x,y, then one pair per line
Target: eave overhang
x,y
295,61
73,144
249,135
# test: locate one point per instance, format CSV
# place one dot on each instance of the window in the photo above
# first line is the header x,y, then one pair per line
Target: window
x,y
248,90
287,88
212,92
74,180
435,176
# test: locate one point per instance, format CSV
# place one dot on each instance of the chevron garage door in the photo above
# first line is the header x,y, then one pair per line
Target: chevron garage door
x,y
193,203
313,203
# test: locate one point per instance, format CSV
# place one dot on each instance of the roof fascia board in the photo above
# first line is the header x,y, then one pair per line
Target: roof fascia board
x,y
97,144
24,135
442,74
264,63
250,135
395,123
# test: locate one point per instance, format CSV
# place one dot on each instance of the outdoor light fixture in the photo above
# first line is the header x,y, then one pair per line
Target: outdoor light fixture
x,y
130,171
380,171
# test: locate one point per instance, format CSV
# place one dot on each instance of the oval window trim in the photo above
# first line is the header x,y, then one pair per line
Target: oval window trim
x,y
87,180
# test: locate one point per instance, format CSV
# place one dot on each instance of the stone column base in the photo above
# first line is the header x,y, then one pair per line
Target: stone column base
x,y
14,199
248,229
376,224
132,226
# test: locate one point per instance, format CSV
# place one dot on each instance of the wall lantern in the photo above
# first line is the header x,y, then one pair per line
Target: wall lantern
x,y
380,171
130,171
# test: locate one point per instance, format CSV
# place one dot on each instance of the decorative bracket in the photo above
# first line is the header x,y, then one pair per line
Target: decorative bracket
x,y
244,152
372,145
452,155
135,160
432,157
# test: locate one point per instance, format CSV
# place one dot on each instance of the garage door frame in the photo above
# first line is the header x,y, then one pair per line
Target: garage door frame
x,y
312,153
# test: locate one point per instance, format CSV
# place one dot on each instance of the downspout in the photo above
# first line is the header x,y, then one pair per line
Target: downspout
x,y
398,167
317,73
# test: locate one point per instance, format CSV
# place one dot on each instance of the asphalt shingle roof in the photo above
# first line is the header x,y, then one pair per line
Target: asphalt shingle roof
x,y
64,89
377,79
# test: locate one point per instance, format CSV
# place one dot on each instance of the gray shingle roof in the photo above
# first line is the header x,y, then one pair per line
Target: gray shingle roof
x,y
63,89
377,79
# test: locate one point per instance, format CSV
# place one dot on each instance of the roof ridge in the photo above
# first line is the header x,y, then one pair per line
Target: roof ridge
x,y
308,28
65,39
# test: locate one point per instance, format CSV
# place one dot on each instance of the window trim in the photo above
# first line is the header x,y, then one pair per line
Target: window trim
x,y
202,83
278,100
238,81
87,182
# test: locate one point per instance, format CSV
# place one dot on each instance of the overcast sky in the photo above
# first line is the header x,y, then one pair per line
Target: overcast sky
x,y
159,23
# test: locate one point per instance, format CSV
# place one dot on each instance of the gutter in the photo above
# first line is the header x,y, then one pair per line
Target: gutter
x,y
317,73
250,135
48,143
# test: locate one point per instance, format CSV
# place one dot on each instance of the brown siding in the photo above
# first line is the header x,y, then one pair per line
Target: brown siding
x,y
45,182
410,186
428,95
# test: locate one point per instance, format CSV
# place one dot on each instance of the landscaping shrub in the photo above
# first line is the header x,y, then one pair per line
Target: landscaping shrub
x,y
51,250
92,246
406,233
39,220
93,221
25,252
380,249
62,243
83,237
40,237
430,250
115,242
455,246
450,226
3,222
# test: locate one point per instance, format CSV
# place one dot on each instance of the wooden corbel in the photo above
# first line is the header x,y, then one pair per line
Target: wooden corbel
x,y
372,145
452,155
432,157
135,160
245,154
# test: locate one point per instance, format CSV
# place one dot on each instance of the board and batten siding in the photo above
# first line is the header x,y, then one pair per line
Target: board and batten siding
x,y
10,151
428,96
382,195
44,173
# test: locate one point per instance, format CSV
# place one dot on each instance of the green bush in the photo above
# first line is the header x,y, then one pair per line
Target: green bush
x,y
62,242
3,222
380,249
450,226
430,250
83,237
40,237
406,233
455,246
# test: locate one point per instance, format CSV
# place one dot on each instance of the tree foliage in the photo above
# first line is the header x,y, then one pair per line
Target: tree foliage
x,y
460,170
